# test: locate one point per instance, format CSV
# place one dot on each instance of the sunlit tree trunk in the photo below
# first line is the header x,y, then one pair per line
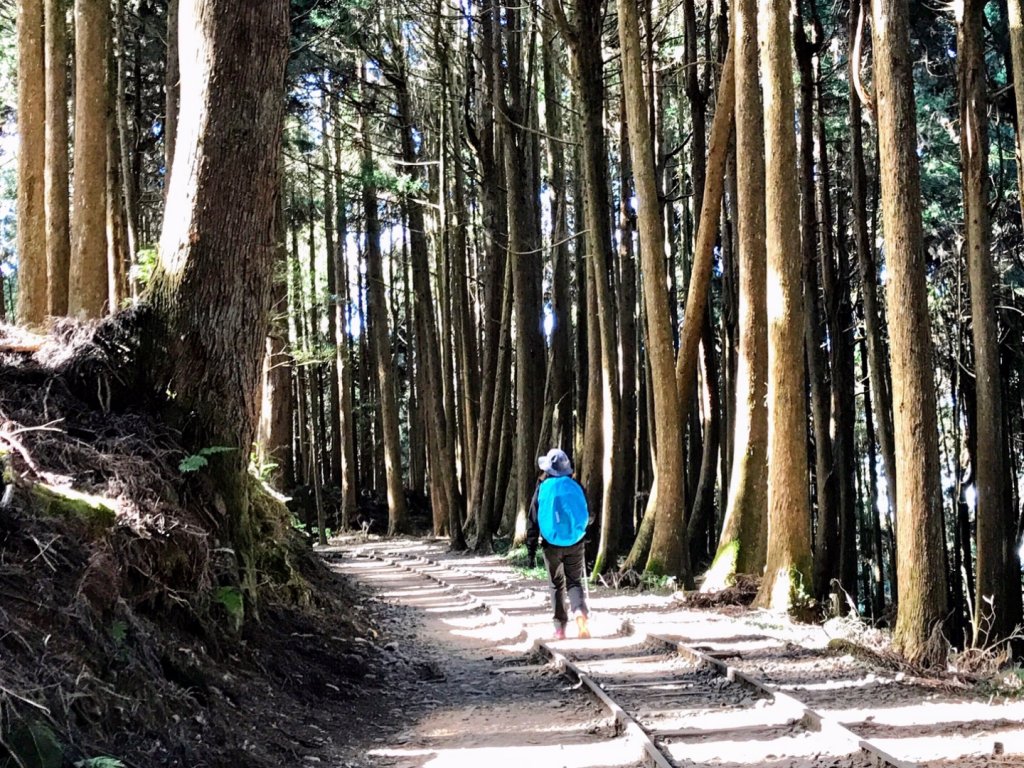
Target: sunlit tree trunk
x,y
920,561
788,568
87,296
33,298
997,601
741,547
667,553
212,285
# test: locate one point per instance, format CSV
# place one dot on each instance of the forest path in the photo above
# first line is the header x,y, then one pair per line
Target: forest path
x,y
464,689
467,689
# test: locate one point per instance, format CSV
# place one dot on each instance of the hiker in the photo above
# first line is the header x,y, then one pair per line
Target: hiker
x,y
559,515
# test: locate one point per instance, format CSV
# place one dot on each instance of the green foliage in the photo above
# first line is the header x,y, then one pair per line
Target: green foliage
x,y
197,461
119,632
233,602
144,266
100,762
33,745
517,557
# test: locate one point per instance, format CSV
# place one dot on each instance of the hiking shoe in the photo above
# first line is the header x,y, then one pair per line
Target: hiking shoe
x,y
560,632
582,627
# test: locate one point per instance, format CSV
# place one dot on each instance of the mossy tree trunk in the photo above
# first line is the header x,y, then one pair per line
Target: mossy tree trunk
x,y
211,290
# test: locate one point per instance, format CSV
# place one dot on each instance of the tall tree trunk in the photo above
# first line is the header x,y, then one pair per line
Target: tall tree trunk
x,y
398,519
172,76
329,126
742,545
921,565
493,275
835,271
630,382
877,553
787,572
87,295
826,562
1015,12
707,235
587,70
524,242
116,229
558,397
213,280
880,388
126,189
343,352
441,430
997,602
33,298
667,553
274,439
58,234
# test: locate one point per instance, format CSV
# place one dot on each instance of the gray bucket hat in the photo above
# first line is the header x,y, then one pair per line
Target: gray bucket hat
x,y
555,462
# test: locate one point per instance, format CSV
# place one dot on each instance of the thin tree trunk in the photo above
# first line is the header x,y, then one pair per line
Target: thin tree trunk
x,y
826,562
997,601
58,222
127,187
881,393
33,292
172,89
398,520
87,296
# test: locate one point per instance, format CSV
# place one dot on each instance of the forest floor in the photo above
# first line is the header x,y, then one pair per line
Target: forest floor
x,y
121,631
464,690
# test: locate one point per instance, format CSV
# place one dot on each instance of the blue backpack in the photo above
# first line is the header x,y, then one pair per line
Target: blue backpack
x,y
562,513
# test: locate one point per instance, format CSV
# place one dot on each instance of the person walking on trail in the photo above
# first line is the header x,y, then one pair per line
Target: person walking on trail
x,y
559,516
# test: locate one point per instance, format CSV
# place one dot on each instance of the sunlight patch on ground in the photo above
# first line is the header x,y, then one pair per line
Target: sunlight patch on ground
x,y
930,714
762,752
609,754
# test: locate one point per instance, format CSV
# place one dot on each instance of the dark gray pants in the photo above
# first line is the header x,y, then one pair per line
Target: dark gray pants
x,y
568,572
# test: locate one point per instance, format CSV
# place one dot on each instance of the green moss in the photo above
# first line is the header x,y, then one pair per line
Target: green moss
x,y
95,512
722,572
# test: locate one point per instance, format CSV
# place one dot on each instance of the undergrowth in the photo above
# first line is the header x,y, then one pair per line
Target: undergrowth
x,y
123,636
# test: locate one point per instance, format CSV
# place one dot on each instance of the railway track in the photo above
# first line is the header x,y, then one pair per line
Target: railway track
x,y
681,706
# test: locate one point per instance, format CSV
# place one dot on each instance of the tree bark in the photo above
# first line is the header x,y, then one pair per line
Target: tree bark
x,y
880,388
997,601
212,285
667,554
920,566
33,292
58,223
87,296
787,572
172,87
742,545
398,520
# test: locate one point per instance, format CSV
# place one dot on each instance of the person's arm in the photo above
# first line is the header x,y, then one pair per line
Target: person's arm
x,y
532,529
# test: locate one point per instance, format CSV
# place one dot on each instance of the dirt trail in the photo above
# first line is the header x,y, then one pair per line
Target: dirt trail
x,y
462,689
